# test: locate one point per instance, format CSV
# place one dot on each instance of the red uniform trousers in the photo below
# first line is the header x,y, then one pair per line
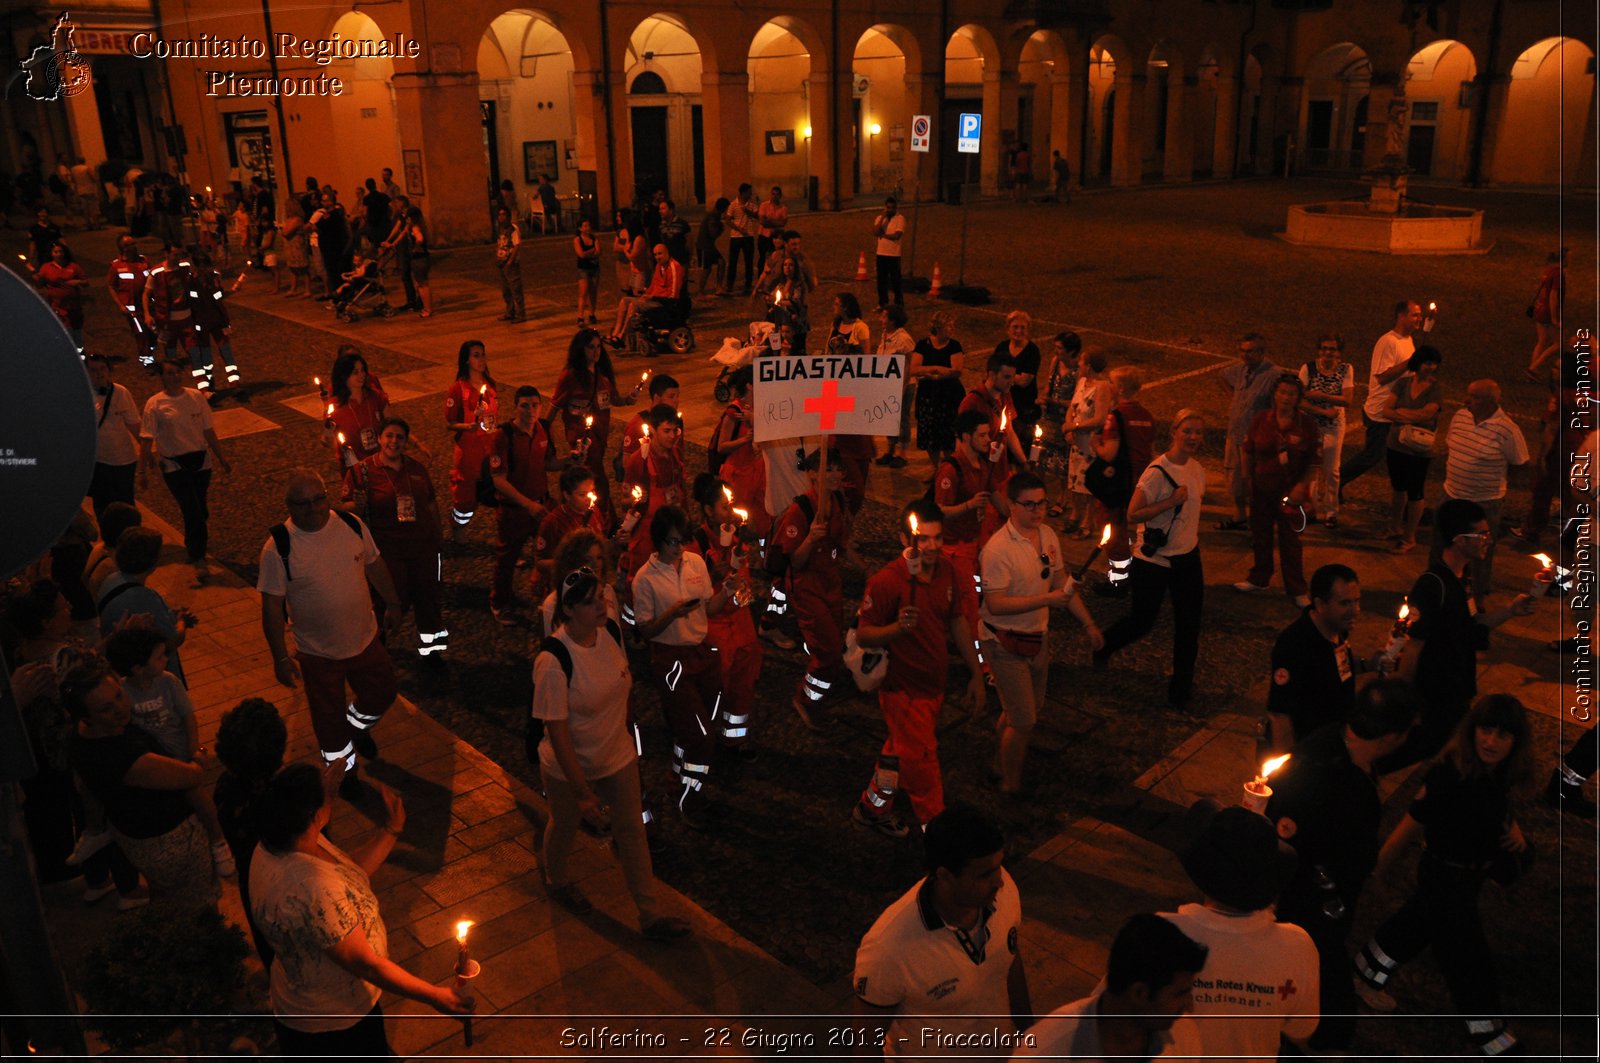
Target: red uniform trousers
x,y
739,654
334,719
910,756
472,449
416,581
1266,514
816,598
516,526
690,679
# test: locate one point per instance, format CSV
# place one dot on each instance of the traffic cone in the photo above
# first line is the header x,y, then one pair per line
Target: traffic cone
x,y
861,267
935,288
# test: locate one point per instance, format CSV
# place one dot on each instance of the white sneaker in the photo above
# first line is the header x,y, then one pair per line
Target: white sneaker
x,y
222,860
1249,588
89,843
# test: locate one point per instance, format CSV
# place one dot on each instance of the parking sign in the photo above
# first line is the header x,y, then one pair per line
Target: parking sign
x,y
920,124
968,133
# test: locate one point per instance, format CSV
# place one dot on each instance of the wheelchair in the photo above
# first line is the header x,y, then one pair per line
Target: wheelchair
x,y
662,329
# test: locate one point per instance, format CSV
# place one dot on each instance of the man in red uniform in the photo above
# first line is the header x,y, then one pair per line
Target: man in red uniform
x,y
663,391
993,399
518,464
657,470
168,295
125,280
910,605
809,541
1128,425
578,509
393,493
972,494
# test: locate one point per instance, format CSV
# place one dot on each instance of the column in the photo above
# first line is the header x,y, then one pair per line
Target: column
x,y
999,107
1066,113
1179,162
1496,99
439,118
820,159
1225,145
725,103
1289,122
83,118
922,168
1386,105
1127,141
594,142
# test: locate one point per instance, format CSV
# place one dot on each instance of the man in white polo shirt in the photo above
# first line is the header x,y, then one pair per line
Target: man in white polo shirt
x,y
1484,442
940,973
316,569
1389,357
1024,576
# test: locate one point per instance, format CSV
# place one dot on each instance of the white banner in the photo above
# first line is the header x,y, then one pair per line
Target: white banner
x,y
819,394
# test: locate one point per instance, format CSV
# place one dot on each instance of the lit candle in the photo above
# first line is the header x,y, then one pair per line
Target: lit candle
x,y
727,492
346,454
912,555
742,514
1398,635
1545,578
1431,316
643,377
630,519
997,446
1037,451
466,969
485,418
594,500
317,380
777,296
1105,537
644,440
1256,792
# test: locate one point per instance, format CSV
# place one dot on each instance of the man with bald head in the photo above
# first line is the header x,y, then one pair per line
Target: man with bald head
x,y
317,569
661,299
1484,442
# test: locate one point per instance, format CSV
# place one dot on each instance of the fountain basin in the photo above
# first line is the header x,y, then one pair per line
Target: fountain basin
x,y
1417,229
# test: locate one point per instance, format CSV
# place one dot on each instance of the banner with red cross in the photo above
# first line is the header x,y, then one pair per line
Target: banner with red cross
x,y
820,394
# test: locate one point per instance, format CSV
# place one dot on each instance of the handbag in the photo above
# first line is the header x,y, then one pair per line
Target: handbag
x,y
1417,438
1020,643
867,666
1111,482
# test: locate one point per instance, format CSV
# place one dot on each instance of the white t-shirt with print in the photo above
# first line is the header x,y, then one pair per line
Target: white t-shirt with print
x,y
329,605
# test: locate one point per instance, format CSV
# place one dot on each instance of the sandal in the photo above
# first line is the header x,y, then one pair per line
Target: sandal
x,y
1231,525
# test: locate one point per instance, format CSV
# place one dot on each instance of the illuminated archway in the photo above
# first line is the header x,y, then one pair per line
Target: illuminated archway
x,y
1438,131
365,125
667,134
526,96
1333,119
878,103
780,67
1551,88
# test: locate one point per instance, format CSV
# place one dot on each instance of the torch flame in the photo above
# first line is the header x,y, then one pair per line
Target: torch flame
x,y
317,380
742,514
594,500
330,409
341,439
644,376
588,422
644,431
727,492
1405,611
1270,766
913,520
777,295
1432,306
1105,536
638,493
483,389
1038,431
461,930
1002,422
1544,560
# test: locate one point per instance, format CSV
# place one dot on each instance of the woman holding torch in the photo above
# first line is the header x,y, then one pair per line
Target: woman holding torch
x,y
725,539
472,413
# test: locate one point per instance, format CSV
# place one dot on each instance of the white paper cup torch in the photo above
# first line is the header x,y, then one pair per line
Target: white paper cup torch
x,y
1430,317
347,454
998,447
912,555
1256,792
1398,634
630,520
467,969
1037,450
644,441
1543,579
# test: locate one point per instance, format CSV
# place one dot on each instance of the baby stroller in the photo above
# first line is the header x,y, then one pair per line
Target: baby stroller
x,y
735,355
363,294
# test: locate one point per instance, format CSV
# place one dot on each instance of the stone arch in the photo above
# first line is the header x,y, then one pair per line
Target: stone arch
x,y
881,66
1164,149
1045,69
1112,154
1258,94
665,131
1213,94
363,120
782,62
527,93
1332,124
1551,77
1438,88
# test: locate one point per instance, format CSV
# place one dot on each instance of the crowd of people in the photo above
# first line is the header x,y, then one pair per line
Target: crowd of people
x,y
649,574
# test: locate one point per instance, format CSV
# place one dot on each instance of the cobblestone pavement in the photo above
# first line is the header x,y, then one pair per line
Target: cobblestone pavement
x,y
1165,279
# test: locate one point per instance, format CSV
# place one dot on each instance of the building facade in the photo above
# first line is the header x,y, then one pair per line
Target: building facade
x,y
607,97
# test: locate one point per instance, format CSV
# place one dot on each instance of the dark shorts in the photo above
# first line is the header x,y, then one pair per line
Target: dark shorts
x,y
419,268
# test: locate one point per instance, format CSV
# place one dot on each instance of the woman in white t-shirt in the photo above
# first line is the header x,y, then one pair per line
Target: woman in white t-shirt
x,y
314,904
116,447
586,757
177,427
1167,502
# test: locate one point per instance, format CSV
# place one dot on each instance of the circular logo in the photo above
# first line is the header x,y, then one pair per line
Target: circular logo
x,y
69,74
919,127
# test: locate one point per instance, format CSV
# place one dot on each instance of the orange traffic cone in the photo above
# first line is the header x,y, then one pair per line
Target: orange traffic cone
x,y
861,267
935,288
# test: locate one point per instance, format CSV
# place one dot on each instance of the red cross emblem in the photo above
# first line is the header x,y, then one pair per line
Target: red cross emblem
x,y
1287,989
829,404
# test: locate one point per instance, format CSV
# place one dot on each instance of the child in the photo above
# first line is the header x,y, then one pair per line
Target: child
x,y
365,271
162,708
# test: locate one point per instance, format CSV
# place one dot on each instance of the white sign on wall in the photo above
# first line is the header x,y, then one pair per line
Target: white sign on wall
x,y
822,394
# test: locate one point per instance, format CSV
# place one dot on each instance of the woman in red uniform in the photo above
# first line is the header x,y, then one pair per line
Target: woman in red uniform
x,y
742,465
726,548
587,388
357,409
62,282
472,412
393,493
810,544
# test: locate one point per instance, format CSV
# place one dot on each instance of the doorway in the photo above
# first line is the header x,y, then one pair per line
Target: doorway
x,y
649,127
1319,132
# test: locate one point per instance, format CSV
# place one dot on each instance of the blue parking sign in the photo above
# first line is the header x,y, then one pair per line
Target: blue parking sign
x,y
968,133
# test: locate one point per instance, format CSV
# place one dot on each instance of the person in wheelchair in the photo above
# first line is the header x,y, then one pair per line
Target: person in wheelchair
x,y
664,304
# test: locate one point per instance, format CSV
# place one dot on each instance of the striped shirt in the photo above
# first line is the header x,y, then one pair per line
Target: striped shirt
x,y
1480,453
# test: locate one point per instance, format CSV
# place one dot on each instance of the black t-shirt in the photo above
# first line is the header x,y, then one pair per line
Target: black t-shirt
x,y
675,234
43,238
1462,818
1313,680
1025,397
103,763
1441,615
1335,808
377,207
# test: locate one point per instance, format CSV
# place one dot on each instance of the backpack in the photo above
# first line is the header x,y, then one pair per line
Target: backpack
x,y
485,490
281,540
1111,482
776,560
557,649
714,456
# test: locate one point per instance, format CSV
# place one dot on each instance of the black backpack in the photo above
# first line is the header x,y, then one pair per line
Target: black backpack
x,y
776,560
281,540
1111,482
557,649
487,493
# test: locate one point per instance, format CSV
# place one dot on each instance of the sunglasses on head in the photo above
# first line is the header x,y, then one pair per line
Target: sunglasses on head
x,y
573,582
